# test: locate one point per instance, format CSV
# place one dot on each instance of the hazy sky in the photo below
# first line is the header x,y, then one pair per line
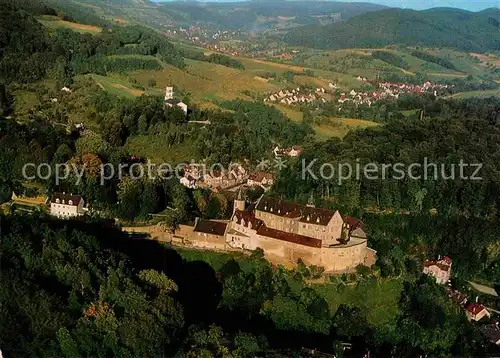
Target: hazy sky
x,y
473,5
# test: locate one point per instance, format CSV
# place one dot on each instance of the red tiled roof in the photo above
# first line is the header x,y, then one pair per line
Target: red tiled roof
x,y
307,214
278,206
290,237
447,260
475,308
210,227
260,176
354,223
65,198
441,266
318,216
247,216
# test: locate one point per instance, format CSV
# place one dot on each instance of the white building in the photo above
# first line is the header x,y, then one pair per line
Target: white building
x,y
63,205
189,182
169,93
440,270
171,102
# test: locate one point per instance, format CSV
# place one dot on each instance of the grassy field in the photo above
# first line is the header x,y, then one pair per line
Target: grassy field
x,y
24,101
208,82
120,86
464,62
339,127
54,22
358,62
478,94
291,112
156,149
379,300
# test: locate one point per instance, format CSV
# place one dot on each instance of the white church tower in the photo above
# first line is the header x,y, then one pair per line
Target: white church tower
x,y
169,93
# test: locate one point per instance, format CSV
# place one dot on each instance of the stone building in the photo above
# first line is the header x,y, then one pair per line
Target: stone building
x,y
287,232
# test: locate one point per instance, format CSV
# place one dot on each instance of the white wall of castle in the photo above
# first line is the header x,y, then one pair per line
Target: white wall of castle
x,y
332,259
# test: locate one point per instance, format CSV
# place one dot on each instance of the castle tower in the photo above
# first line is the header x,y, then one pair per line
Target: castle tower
x,y
239,202
169,93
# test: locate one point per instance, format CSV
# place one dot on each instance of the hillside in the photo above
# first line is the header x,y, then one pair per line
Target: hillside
x,y
440,27
257,15
245,16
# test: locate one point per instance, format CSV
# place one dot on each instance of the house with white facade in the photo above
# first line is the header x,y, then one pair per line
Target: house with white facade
x,y
440,269
64,205
260,179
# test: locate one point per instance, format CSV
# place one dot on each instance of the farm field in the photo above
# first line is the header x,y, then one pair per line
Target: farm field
x,y
339,127
206,81
54,22
358,62
120,86
477,94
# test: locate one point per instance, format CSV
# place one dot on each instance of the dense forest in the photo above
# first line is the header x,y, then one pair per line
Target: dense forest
x,y
85,288
390,58
216,58
435,59
453,28
68,53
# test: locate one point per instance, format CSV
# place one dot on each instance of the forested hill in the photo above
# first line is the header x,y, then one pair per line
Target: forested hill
x,y
28,51
440,27
259,15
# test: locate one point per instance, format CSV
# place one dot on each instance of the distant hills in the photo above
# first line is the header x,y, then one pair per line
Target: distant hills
x,y
439,27
260,15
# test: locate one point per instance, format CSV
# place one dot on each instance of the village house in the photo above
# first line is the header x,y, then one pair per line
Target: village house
x,y
260,179
492,332
440,270
294,151
476,311
63,205
213,179
189,182
171,102
225,178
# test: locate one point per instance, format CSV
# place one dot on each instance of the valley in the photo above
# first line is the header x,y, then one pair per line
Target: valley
x,y
248,179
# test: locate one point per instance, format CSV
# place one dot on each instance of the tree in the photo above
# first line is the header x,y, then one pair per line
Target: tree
x,y
350,321
143,124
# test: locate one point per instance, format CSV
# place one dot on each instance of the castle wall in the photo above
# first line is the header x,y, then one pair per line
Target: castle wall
x,y
344,257
206,241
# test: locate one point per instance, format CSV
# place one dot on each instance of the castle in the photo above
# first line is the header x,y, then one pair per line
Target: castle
x,y
287,232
